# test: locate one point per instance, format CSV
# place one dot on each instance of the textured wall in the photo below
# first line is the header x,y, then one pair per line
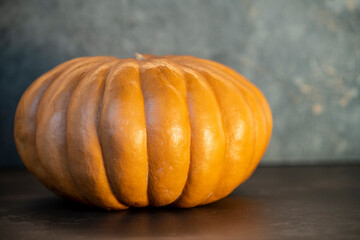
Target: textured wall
x,y
304,56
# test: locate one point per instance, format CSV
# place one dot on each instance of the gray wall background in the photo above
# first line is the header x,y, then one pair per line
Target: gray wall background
x,y
303,55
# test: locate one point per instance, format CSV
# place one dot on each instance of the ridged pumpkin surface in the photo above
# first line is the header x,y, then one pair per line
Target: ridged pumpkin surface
x,y
153,131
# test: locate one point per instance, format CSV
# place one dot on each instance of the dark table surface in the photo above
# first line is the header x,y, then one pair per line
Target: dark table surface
x,y
275,203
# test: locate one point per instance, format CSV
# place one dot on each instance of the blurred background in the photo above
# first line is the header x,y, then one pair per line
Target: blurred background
x,y
303,55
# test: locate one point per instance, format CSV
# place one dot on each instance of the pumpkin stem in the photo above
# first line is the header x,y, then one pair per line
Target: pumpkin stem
x,y
139,56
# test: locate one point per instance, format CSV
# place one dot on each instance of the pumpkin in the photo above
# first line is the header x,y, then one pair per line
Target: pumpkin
x,y
115,133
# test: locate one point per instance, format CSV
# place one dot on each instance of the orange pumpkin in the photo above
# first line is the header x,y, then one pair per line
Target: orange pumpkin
x,y
153,131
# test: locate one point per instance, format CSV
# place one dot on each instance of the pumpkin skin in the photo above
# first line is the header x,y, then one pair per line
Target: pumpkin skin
x,y
115,133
